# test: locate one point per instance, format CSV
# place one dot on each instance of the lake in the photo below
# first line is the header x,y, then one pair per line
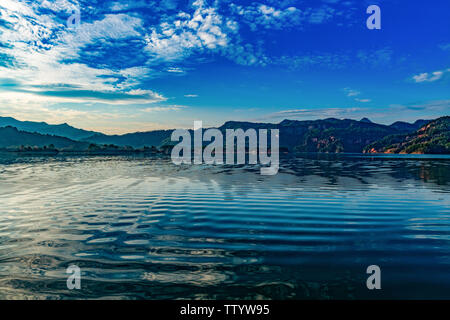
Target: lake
x,y
142,228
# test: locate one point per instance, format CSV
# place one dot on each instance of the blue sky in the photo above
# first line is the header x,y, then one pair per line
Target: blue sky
x,y
146,64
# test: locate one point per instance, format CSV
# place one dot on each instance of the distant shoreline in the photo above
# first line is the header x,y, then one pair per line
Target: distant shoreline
x,y
65,152
415,156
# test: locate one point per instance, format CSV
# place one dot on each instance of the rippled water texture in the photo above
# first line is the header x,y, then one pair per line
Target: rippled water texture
x,y
144,228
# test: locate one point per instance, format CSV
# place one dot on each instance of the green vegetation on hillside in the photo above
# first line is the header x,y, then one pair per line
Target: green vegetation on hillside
x,y
433,138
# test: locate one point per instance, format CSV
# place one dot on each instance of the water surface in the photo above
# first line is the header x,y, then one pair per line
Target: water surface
x,y
143,228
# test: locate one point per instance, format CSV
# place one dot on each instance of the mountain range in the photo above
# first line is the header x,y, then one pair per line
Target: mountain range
x,y
12,138
327,135
432,138
62,130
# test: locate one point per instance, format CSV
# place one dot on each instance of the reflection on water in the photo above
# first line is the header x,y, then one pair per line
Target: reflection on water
x,y
144,228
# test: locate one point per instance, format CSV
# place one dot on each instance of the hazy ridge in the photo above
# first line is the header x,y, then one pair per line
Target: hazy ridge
x,y
327,135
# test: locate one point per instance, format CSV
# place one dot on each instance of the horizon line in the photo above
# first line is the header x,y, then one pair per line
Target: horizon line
x,y
239,121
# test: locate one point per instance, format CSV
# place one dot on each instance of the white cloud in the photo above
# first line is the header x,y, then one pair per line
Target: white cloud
x,y
45,54
66,95
36,109
268,16
331,61
121,6
351,92
430,106
202,30
410,113
321,15
286,17
307,113
429,77
191,95
58,5
376,58
164,108
175,70
179,37
354,94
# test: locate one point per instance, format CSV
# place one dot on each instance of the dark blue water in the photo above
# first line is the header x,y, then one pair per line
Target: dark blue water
x,y
143,228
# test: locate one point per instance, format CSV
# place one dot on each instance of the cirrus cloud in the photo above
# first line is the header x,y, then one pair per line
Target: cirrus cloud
x,y
430,77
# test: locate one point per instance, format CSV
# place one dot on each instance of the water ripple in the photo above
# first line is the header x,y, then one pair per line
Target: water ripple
x,y
144,228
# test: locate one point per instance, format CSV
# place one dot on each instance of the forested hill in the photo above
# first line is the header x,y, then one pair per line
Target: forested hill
x,y
12,138
327,135
432,138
